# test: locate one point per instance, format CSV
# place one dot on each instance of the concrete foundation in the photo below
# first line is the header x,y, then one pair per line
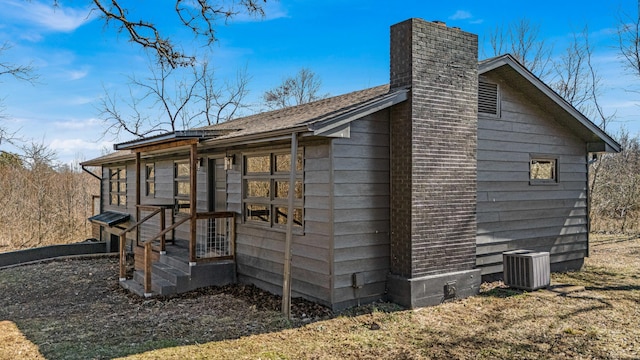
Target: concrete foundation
x,y
433,289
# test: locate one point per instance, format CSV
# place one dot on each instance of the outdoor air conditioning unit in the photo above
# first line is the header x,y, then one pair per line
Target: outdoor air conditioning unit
x,y
526,269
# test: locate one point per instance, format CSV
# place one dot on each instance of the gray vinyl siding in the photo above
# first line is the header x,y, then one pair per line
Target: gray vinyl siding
x,y
346,222
361,209
511,213
260,249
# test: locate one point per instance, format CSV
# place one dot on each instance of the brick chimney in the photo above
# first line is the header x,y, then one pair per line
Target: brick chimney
x,y
433,164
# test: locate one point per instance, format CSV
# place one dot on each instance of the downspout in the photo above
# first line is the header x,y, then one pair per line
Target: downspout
x,y
193,180
286,281
99,196
91,173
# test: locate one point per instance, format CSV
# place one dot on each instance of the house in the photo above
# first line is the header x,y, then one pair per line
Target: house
x,y
409,191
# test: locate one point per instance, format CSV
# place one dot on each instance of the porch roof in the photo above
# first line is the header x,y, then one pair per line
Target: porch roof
x,y
170,137
110,218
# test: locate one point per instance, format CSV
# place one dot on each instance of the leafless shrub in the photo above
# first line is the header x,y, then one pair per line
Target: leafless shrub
x,y
615,202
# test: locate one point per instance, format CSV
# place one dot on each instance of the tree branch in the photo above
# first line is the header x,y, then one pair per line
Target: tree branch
x,y
201,16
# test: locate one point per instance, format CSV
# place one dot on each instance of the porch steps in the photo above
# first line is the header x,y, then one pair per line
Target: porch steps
x,y
173,275
159,285
176,263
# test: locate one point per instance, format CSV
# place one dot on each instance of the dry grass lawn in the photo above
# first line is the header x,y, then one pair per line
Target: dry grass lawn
x,y
600,322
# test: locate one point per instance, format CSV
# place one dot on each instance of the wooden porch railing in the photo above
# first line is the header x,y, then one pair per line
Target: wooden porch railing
x,y
123,238
229,237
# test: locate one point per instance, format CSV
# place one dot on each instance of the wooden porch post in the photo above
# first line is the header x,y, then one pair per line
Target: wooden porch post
x,y
163,238
123,256
137,194
193,177
286,281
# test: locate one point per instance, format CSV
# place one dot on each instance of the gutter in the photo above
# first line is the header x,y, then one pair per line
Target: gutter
x,y
284,134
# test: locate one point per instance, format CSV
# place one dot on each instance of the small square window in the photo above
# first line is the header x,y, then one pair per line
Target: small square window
x,y
543,171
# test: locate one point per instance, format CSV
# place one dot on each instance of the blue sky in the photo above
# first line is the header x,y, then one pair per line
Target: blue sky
x,y
344,42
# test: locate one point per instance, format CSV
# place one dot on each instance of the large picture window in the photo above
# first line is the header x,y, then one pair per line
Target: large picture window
x,y
118,186
182,187
266,185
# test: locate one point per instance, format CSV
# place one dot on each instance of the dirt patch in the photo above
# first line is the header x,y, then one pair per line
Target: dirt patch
x,y
75,310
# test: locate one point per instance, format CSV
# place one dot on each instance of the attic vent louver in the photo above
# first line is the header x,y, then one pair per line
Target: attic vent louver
x,y
488,98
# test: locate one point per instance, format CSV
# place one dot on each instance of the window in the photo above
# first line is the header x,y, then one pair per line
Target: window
x,y
118,186
266,189
150,179
488,99
543,170
182,187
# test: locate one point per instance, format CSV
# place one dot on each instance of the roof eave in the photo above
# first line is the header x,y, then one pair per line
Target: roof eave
x,y
267,136
325,126
99,161
167,138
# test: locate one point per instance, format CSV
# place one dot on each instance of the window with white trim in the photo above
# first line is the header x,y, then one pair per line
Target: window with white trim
x,y
543,170
266,188
118,186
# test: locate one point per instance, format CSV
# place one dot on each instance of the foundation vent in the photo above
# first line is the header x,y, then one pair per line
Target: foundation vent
x,y
526,269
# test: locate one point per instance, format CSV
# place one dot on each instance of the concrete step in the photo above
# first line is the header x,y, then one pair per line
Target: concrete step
x,y
178,263
162,287
168,272
133,286
167,279
159,286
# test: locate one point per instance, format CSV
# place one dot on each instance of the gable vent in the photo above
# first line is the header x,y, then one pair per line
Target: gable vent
x,y
488,98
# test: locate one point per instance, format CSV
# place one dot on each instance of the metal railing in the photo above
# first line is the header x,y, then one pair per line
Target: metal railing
x,y
215,235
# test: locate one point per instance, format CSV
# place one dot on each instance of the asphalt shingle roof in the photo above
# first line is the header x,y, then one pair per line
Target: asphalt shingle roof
x,y
297,115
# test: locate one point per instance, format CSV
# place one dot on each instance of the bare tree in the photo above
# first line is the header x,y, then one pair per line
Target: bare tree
x,y
300,89
19,72
184,99
522,40
200,16
221,103
629,41
42,204
616,204
576,79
